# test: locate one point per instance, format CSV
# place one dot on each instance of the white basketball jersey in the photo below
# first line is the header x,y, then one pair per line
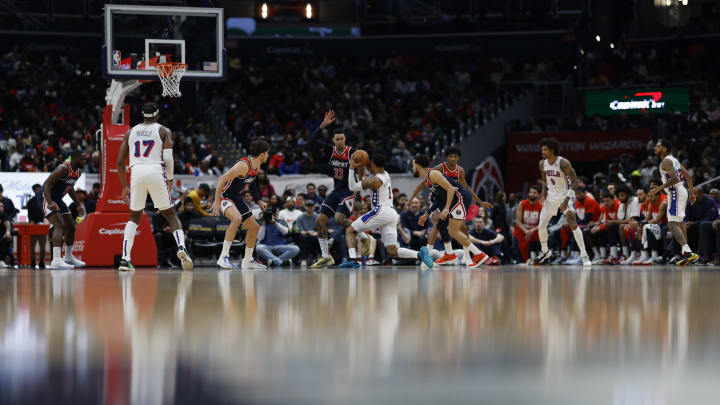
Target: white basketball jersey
x,y
145,144
678,169
557,181
382,197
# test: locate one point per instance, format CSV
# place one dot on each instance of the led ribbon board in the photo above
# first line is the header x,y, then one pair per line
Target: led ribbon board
x,y
656,101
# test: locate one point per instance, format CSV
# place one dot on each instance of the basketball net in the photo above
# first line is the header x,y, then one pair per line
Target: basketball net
x,y
170,74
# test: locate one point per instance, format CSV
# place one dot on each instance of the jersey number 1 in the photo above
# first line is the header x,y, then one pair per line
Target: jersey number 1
x,y
149,144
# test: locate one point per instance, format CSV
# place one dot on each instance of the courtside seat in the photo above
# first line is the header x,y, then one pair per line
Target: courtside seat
x,y
201,234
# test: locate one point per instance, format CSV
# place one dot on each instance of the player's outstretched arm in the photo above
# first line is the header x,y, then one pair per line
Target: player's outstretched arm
x,y
475,197
417,190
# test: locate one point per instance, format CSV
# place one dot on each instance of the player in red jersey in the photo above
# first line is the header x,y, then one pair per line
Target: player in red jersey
x,y
652,228
605,232
527,219
450,169
629,229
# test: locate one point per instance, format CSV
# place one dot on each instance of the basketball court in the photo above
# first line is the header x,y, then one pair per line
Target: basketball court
x,y
374,335
512,335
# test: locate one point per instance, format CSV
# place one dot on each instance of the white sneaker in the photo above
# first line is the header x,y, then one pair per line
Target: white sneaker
x,y
59,264
372,262
3,265
185,260
224,262
598,260
573,261
629,259
253,265
586,261
73,261
647,262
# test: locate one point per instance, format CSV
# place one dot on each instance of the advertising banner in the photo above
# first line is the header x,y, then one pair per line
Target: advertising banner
x,y
17,186
590,146
656,101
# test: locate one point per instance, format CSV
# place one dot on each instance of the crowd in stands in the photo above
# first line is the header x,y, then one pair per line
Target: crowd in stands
x,y
399,106
52,101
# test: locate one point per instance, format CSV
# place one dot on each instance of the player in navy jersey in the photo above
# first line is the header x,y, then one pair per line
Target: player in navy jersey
x,y
339,203
229,201
453,171
62,181
452,199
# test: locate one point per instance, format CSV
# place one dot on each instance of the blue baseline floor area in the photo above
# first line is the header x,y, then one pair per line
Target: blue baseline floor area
x,y
507,334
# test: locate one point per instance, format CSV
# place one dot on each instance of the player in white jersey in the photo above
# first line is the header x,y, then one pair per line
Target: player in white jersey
x,y
673,174
151,172
558,194
382,216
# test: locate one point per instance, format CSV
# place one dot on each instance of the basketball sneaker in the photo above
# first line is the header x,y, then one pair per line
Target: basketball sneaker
x,y
185,260
323,262
478,260
586,261
424,256
349,264
125,265
74,262
60,264
252,265
577,260
224,262
687,258
630,260
544,257
446,259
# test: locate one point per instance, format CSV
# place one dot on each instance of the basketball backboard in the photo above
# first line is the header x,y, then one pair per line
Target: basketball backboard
x,y
138,37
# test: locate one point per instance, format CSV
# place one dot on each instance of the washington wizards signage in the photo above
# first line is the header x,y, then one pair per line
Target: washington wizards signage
x,y
656,101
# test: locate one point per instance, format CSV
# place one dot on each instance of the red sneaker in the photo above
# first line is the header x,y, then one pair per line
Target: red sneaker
x,y
478,260
494,261
447,258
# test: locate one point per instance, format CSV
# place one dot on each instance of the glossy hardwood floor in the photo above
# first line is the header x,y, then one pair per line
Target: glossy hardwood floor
x,y
510,335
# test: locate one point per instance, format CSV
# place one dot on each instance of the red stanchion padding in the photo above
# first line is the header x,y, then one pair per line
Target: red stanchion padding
x,y
110,199
99,237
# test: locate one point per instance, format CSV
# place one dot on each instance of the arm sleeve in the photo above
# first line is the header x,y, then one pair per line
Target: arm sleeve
x,y
353,184
169,163
261,234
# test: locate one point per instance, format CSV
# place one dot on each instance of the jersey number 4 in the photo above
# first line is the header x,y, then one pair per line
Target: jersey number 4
x,y
148,147
338,173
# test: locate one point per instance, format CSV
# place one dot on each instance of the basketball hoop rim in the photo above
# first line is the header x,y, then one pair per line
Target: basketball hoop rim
x,y
168,69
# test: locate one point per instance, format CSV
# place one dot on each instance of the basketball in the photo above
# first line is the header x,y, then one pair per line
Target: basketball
x,y
361,158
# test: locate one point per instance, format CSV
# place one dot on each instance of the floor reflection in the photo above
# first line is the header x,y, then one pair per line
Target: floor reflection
x,y
510,336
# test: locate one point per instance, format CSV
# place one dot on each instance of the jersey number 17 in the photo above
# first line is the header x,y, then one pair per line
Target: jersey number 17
x,y
148,147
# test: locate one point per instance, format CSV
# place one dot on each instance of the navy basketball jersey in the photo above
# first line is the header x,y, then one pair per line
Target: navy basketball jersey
x,y
340,167
237,185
